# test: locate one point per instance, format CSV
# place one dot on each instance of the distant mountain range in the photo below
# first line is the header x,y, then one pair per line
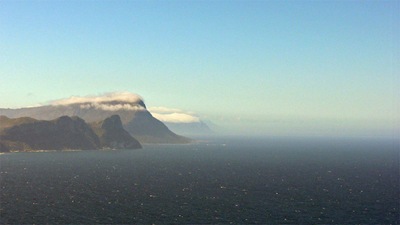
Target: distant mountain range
x,y
190,129
135,118
63,133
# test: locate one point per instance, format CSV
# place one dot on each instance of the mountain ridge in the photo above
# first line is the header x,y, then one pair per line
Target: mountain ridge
x,y
190,129
63,133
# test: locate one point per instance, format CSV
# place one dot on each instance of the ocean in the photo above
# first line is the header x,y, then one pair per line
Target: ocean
x,y
220,181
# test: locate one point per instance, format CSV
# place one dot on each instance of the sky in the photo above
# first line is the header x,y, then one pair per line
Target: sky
x,y
257,67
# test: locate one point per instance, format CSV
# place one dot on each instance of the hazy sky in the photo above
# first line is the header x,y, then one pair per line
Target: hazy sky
x,y
317,67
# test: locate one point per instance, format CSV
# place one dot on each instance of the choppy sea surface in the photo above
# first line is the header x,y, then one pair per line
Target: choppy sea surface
x,y
221,181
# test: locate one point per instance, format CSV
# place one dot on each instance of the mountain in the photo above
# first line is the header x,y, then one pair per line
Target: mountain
x,y
6,122
190,129
112,134
60,134
63,133
136,119
148,129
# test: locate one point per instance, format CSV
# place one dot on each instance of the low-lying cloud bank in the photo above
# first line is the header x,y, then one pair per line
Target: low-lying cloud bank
x,y
113,107
108,102
125,97
116,101
170,115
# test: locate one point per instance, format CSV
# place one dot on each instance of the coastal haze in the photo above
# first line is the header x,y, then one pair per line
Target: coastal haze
x,y
199,112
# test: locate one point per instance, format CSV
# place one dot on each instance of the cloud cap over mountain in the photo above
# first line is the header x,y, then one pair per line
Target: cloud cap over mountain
x,y
113,101
126,97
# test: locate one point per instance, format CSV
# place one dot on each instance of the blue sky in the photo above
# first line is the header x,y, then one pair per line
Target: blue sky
x,y
275,67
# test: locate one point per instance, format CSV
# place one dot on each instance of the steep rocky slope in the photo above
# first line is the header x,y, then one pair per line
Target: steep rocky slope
x,y
63,133
112,134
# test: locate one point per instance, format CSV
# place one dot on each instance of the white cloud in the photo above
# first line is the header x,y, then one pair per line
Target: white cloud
x,y
164,110
171,115
125,101
114,107
176,118
128,101
108,97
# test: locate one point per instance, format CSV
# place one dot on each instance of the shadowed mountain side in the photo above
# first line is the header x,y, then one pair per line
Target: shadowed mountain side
x,y
144,124
61,134
64,133
6,122
112,134
51,112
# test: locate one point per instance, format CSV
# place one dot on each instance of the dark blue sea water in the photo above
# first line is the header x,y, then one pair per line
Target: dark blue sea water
x,y
246,181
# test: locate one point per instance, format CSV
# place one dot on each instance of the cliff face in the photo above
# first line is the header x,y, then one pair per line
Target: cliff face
x,y
64,133
147,129
6,122
112,134
60,134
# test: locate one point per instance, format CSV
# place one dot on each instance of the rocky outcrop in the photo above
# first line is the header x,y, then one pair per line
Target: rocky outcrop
x,y
6,122
112,134
147,129
63,133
